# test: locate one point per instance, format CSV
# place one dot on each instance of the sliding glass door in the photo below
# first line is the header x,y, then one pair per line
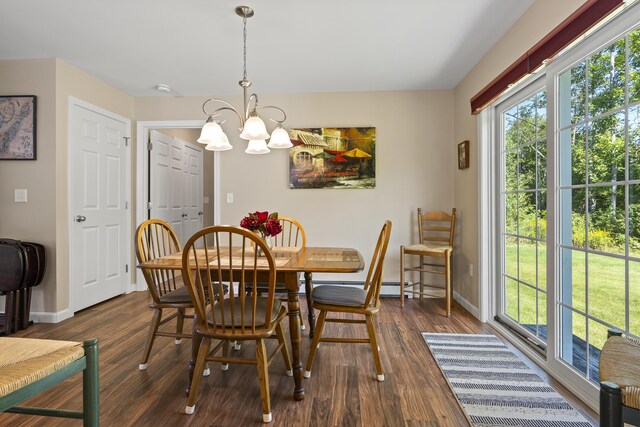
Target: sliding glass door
x,y
599,201
523,207
567,202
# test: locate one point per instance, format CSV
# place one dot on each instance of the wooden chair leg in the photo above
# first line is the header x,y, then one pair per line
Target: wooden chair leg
x,y
151,336
315,343
447,274
285,349
374,346
263,378
421,278
201,361
401,276
226,350
180,324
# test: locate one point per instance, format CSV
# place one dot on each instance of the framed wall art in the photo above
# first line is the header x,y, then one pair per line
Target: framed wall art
x,y
332,158
18,127
463,155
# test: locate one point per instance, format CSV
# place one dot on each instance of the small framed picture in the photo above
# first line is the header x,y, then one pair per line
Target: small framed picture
x,y
18,127
463,155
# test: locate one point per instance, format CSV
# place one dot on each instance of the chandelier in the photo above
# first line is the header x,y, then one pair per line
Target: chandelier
x,y
252,128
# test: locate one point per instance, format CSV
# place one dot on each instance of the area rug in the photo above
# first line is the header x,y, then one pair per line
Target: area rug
x,y
494,387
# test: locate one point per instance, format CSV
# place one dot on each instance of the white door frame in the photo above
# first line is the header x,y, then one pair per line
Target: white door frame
x,y
128,234
142,173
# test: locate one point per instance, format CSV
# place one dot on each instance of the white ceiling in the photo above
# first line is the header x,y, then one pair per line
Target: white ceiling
x,y
195,46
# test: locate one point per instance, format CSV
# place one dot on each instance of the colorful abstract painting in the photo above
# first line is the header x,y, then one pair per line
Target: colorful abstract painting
x,y
332,158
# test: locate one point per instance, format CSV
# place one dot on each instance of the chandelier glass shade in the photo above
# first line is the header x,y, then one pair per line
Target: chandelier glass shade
x,y
252,127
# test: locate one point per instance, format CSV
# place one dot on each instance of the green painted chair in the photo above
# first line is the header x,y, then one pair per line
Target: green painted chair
x,y
30,366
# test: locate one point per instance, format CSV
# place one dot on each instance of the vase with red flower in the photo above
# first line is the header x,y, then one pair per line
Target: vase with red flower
x,y
263,223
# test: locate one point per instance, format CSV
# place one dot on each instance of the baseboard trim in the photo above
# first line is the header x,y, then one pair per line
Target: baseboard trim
x,y
467,305
50,317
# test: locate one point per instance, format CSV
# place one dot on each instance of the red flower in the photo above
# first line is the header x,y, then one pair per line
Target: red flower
x,y
267,224
262,216
272,227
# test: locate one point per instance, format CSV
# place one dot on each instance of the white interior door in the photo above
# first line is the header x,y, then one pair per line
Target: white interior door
x,y
98,179
175,181
193,194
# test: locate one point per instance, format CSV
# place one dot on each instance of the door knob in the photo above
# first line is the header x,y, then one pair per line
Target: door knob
x,y
201,213
80,218
184,215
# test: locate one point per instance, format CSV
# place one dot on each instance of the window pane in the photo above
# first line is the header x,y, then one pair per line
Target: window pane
x,y
511,257
511,213
541,210
541,164
542,265
606,149
597,337
528,308
606,289
573,280
510,127
541,116
511,170
634,142
572,156
606,219
542,315
527,167
528,266
573,229
634,220
511,299
634,66
606,79
572,338
573,84
527,121
634,297
528,217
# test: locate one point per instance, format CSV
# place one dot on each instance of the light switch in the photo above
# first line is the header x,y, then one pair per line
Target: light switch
x,y
229,197
20,195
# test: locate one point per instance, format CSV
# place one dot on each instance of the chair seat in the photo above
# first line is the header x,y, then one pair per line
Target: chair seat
x,y
24,360
179,296
428,248
339,295
261,307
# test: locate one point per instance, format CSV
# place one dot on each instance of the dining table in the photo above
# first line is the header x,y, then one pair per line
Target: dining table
x,y
290,262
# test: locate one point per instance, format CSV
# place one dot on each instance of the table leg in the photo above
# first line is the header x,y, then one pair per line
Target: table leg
x,y
292,284
308,288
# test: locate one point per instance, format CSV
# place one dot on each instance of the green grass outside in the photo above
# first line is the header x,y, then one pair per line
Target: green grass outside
x,y
606,290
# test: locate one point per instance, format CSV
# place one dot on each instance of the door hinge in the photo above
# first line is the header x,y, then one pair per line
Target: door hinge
x,y
149,146
126,268
126,141
126,204
149,205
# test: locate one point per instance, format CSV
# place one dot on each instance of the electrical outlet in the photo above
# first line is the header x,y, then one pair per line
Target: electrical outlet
x,y
471,269
20,195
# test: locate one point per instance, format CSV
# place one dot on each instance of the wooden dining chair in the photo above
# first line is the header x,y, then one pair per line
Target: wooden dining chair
x,y
242,315
292,236
436,231
156,238
357,301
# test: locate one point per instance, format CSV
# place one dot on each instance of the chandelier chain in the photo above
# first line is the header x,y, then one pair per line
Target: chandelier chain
x,y
244,56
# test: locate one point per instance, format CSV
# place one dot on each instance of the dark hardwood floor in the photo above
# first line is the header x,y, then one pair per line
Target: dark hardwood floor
x,y
342,391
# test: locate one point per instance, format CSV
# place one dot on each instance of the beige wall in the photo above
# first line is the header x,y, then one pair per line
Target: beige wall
x,y
542,17
415,166
35,220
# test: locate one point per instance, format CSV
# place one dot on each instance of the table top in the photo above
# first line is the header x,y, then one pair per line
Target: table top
x,y
310,259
